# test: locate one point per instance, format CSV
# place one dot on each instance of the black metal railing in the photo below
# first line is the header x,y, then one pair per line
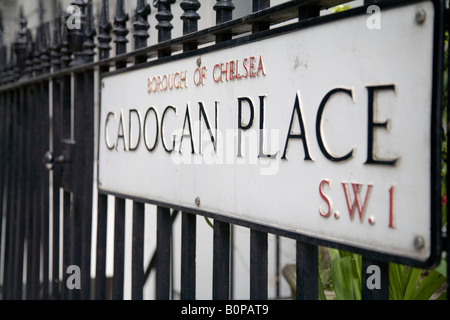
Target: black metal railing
x,y
47,121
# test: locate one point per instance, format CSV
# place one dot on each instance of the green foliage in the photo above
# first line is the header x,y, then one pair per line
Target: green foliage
x,y
340,8
413,283
405,283
345,274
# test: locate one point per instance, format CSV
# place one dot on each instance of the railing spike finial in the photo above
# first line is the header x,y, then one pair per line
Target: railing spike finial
x,y
90,33
2,59
45,47
104,30
10,65
120,28
224,10
2,50
76,33
190,16
141,25
2,62
66,53
37,51
21,42
56,44
1,28
41,12
28,72
164,16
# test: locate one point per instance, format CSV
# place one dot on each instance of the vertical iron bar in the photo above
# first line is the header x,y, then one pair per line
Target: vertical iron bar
x,y
221,245
44,186
258,265
13,202
221,261
31,187
140,35
20,223
100,270
258,240
57,149
67,248
29,174
7,213
66,94
28,202
20,51
85,134
381,293
188,255
137,284
121,31
307,255
57,182
277,266
37,195
104,39
77,174
164,225
9,179
189,221
18,241
119,248
163,253
2,150
307,271
82,160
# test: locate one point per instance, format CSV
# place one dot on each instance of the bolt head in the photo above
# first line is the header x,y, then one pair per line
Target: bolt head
x,y
419,242
421,16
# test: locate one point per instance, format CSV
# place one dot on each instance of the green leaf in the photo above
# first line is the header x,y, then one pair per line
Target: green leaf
x,y
321,291
412,282
356,276
429,285
209,222
442,267
345,274
397,281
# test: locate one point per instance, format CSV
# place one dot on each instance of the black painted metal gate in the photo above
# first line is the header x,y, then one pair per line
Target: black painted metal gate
x,y
48,85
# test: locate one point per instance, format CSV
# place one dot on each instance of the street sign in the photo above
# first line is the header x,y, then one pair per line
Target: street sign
x,y
327,129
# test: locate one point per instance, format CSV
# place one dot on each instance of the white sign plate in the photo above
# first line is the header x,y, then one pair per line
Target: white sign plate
x,y
325,131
